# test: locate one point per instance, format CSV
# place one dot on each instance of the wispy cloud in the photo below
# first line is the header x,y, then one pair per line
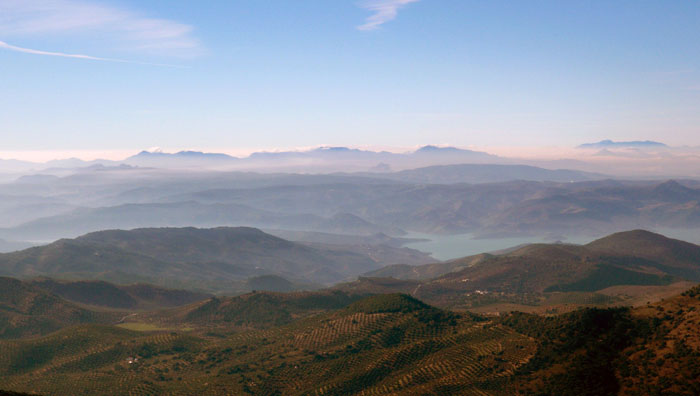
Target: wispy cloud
x,y
383,12
4,45
123,28
39,52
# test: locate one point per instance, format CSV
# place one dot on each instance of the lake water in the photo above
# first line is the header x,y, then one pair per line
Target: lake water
x,y
446,247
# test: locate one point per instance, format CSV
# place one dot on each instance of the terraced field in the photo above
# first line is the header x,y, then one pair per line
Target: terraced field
x,y
381,345
82,360
384,345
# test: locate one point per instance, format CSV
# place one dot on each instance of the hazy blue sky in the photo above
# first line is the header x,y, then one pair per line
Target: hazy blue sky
x,y
261,74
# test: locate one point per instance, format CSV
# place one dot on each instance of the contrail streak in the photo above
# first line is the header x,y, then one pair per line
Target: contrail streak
x,y
78,56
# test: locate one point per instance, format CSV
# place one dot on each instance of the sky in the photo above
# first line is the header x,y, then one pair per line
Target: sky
x,y
113,76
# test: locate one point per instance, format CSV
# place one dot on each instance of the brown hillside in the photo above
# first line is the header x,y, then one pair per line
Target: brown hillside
x,y
609,271
27,310
104,294
651,246
652,350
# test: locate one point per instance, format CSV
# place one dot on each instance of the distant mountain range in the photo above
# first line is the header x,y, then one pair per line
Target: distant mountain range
x,y
636,143
325,159
488,173
601,157
350,205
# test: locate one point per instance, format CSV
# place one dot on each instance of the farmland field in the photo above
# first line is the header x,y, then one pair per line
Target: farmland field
x,y
380,346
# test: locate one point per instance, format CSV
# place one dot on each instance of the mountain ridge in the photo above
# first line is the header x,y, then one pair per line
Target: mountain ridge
x,y
634,143
542,274
204,259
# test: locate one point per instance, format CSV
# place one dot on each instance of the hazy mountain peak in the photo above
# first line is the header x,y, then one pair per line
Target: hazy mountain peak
x,y
645,243
676,192
200,154
337,149
612,144
182,154
672,185
437,149
144,153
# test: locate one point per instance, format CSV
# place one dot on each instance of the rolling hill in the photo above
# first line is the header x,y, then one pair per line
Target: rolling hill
x,y
27,310
361,338
256,310
552,274
381,345
219,259
650,350
672,254
131,297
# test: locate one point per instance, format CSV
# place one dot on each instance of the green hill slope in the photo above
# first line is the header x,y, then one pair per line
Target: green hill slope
x,y
381,345
651,350
388,344
665,254
611,270
262,310
132,297
219,259
27,310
